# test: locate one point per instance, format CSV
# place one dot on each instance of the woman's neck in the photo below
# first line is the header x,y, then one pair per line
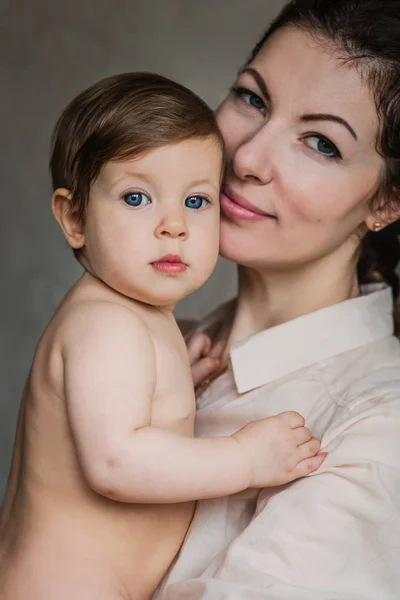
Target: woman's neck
x,y
269,298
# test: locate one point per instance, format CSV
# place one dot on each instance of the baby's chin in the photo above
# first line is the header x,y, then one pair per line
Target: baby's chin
x,y
165,294
163,300
156,289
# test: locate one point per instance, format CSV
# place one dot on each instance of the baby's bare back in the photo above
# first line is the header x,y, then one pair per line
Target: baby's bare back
x,y
59,538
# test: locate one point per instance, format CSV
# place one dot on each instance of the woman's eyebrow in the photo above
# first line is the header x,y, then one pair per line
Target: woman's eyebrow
x,y
305,118
258,79
332,118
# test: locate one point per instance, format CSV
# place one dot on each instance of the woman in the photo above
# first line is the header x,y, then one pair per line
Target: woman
x,y
311,127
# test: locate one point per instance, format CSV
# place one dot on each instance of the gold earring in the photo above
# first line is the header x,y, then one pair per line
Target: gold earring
x,y
376,227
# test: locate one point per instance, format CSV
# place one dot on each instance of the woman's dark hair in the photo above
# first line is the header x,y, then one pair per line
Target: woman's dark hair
x,y
366,34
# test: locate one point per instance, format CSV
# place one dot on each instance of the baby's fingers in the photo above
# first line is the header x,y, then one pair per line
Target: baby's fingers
x,y
308,449
301,435
292,419
309,465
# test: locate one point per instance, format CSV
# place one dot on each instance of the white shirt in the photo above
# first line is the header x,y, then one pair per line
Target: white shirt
x,y
334,535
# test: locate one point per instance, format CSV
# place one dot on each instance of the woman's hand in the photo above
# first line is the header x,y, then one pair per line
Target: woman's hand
x,y
203,366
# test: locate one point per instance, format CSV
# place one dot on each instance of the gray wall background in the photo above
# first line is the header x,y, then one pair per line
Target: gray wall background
x,y
49,51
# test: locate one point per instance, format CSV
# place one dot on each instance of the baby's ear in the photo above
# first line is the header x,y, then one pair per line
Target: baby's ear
x,y
68,218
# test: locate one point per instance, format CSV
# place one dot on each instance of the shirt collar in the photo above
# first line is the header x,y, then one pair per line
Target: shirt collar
x,y
309,339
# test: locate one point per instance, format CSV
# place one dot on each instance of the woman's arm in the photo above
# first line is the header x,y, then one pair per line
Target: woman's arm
x,y
332,536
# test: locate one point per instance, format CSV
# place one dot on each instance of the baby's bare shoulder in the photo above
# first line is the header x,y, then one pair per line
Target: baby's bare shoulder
x,y
99,320
91,325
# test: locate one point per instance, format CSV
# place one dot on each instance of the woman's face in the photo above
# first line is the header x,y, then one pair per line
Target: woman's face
x,y
300,129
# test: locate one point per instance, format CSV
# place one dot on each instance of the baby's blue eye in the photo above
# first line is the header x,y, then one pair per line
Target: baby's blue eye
x,y
196,202
136,199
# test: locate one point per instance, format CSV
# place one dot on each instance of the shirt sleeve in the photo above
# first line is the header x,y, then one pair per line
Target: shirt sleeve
x,y
334,535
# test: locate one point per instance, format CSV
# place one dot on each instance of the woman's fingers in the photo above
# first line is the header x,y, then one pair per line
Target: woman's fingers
x,y
198,346
203,366
204,369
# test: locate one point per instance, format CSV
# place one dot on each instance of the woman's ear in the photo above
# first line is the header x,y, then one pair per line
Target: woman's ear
x,y
68,218
386,212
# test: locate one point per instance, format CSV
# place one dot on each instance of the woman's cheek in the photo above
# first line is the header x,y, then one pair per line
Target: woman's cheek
x,y
232,127
310,193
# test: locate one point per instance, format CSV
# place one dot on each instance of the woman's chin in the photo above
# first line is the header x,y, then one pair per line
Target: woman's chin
x,y
236,244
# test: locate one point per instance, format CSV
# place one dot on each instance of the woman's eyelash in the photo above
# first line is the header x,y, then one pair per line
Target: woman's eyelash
x,y
240,92
335,156
323,143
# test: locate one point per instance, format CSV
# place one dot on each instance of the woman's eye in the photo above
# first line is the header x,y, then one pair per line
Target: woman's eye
x,y
196,202
249,98
323,146
136,199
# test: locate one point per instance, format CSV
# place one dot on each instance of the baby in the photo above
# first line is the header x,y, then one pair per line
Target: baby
x,y
105,467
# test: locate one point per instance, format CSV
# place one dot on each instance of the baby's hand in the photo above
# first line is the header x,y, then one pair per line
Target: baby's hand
x,y
279,449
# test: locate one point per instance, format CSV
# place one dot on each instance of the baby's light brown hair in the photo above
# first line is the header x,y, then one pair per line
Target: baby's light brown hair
x,y
119,118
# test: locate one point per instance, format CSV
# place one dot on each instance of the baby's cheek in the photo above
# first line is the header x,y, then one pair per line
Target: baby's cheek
x,y
202,269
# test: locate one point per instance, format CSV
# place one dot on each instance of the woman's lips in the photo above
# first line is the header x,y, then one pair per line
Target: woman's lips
x,y
236,207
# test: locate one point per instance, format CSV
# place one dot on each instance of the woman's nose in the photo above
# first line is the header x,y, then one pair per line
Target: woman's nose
x,y
252,159
172,225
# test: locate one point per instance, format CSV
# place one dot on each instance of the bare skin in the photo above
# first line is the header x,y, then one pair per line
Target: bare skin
x,y
53,521
105,467
64,520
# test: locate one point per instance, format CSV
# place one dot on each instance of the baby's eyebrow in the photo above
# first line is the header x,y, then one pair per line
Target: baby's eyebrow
x,y
199,182
204,183
130,175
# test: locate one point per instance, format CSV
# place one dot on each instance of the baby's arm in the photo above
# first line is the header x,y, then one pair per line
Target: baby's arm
x,y
110,379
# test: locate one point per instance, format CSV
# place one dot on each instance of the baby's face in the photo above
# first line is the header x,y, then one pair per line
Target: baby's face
x,y
152,223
